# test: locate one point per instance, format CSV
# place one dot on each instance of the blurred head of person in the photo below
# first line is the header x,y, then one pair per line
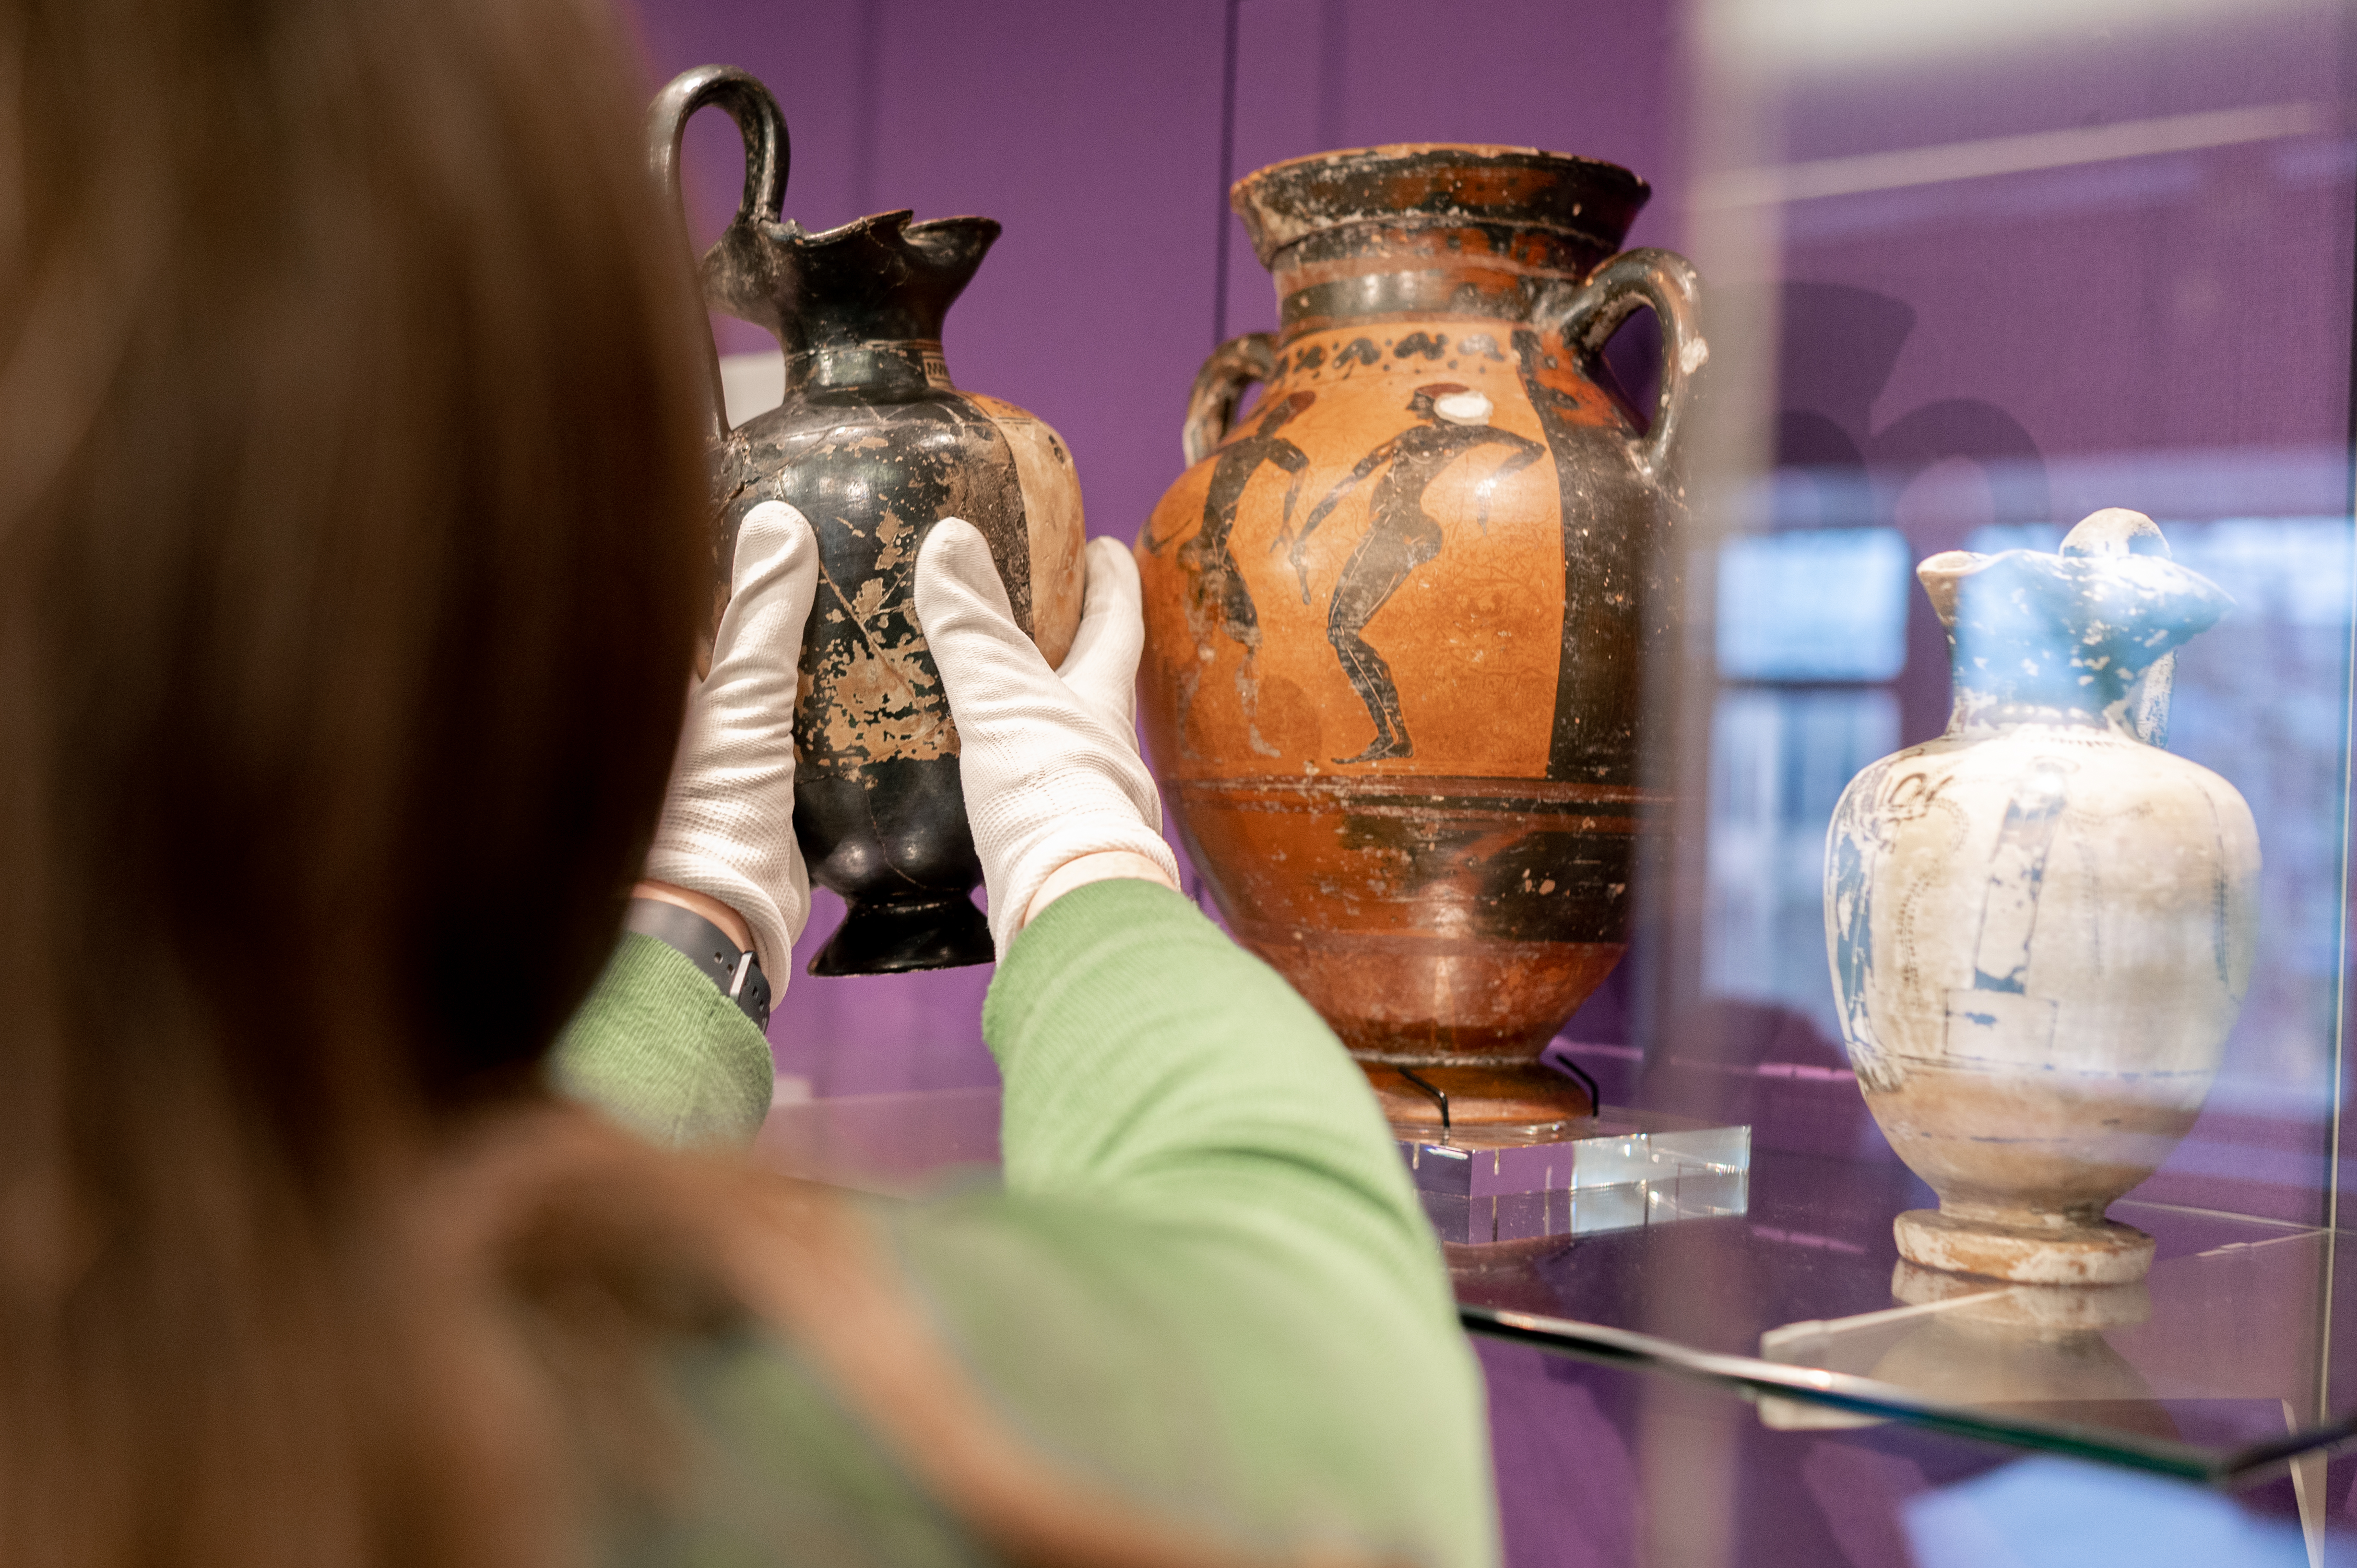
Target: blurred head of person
x,y
350,553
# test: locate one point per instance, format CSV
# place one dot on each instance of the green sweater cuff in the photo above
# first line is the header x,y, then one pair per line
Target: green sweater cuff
x,y
660,1049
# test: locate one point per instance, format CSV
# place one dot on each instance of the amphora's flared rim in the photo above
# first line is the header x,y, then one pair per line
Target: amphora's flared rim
x,y
1437,183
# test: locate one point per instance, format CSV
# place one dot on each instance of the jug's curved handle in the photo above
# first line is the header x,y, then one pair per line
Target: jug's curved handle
x,y
1220,386
768,154
1615,291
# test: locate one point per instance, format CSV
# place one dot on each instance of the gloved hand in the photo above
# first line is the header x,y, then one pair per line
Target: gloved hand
x,y
728,828
1048,757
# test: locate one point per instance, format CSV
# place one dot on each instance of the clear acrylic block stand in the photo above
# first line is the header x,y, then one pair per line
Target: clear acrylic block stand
x,y
1609,1172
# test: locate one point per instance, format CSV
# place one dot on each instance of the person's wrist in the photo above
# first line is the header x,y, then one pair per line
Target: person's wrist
x,y
1099,866
732,924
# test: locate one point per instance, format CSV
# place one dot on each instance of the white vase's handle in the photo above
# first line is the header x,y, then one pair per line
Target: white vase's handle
x,y
2117,530
1633,280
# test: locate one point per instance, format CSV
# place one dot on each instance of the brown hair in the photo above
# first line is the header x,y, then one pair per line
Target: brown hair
x,y
350,550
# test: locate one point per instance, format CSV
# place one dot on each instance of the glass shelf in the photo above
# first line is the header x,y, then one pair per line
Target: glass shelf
x,y
893,1145
2231,1359
2227,1362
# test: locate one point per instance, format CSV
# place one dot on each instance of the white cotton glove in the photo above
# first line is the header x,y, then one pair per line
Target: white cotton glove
x,y
728,828
1048,757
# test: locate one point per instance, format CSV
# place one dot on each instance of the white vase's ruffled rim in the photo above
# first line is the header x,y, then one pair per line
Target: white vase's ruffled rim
x,y
2113,532
1943,576
2071,630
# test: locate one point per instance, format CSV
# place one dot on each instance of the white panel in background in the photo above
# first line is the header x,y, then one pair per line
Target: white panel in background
x,y
1814,604
1835,36
752,383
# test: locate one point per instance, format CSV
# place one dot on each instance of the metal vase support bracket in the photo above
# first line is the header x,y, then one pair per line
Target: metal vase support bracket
x,y
873,443
1398,616
2041,923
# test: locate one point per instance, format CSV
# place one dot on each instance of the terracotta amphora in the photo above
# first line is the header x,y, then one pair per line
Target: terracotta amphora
x,y
2041,923
1398,614
873,443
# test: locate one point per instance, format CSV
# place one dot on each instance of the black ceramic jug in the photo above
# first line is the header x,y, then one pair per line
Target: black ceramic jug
x,y
874,444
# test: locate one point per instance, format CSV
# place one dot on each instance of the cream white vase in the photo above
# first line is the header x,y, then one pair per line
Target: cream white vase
x,y
2041,923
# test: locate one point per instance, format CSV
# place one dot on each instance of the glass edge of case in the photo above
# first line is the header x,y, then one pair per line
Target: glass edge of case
x,y
1755,1380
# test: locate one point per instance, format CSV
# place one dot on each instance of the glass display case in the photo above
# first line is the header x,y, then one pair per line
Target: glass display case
x,y
1976,274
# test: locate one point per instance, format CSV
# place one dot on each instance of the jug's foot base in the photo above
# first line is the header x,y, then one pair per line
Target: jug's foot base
x,y
894,938
2104,1253
2050,1308
1489,1096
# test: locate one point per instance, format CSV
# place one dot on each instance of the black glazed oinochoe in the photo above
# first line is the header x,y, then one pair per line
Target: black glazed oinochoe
x,y
873,444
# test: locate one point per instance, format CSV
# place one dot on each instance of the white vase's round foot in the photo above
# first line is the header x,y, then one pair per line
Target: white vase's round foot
x,y
2103,1253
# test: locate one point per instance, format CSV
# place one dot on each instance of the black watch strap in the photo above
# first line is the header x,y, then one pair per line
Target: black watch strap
x,y
733,969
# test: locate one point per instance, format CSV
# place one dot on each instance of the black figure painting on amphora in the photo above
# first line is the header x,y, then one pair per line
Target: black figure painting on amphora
x,y
1214,582
1400,538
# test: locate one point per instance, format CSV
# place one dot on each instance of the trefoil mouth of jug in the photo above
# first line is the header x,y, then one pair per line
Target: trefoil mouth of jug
x,y
882,278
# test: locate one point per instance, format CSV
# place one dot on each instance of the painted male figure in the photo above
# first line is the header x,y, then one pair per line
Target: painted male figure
x,y
1400,537
1213,579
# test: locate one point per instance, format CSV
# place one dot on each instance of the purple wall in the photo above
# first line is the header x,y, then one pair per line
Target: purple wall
x,y
1094,133
2168,331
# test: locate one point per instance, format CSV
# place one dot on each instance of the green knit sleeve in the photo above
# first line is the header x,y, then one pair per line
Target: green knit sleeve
x,y
660,1049
1208,1281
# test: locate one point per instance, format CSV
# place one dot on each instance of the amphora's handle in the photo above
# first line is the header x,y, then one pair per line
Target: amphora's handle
x,y
734,262
1615,291
1220,386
